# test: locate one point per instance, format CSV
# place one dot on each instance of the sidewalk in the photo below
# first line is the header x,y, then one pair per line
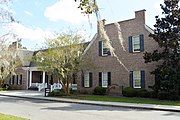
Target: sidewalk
x,y
40,96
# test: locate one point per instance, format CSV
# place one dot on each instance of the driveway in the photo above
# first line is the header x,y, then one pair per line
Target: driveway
x,y
48,110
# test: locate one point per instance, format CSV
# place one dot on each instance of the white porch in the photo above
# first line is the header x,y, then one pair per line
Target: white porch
x,y
37,78
41,80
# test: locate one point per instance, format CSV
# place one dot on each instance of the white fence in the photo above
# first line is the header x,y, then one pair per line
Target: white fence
x,y
42,86
53,87
56,86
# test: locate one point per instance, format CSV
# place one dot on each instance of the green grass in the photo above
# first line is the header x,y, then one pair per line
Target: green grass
x,y
10,117
125,99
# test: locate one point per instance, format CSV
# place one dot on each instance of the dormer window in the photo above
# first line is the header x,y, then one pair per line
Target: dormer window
x,y
136,43
103,49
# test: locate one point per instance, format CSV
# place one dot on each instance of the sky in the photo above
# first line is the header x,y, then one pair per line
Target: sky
x,y
42,19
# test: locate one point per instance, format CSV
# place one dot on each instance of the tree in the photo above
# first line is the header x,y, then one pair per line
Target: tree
x,y
167,35
61,58
88,6
5,14
9,61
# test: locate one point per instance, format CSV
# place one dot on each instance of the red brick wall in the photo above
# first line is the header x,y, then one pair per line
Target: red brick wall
x,y
133,61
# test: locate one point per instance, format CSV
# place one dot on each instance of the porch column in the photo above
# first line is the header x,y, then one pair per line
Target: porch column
x,y
44,75
30,78
27,82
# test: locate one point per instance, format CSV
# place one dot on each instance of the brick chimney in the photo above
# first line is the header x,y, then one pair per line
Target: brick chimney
x,y
104,22
140,16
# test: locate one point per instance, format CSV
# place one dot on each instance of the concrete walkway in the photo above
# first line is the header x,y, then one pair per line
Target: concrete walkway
x,y
40,96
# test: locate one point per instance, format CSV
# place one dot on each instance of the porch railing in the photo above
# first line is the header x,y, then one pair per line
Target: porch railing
x,y
56,86
42,86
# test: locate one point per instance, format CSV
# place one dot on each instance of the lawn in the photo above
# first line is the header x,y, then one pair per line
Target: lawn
x,y
10,117
125,99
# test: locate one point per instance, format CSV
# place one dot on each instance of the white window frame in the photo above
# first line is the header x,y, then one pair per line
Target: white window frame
x,y
103,47
136,78
86,80
104,78
133,39
19,79
11,81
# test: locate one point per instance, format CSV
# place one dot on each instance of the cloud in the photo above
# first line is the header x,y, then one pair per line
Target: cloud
x,y
37,34
28,13
65,10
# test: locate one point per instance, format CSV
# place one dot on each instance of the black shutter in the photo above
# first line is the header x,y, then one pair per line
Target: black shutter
x,y
13,79
10,80
130,44
131,79
46,79
100,48
100,79
17,79
109,78
142,79
51,80
20,79
90,79
82,79
141,42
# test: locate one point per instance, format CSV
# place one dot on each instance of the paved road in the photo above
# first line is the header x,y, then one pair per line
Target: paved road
x,y
45,110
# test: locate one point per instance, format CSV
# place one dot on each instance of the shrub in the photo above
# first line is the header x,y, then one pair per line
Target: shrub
x,y
57,93
163,95
74,92
152,94
5,86
33,88
129,92
99,91
167,96
173,97
142,93
1,89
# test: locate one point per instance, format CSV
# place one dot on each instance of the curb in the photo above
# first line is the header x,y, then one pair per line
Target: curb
x,y
97,104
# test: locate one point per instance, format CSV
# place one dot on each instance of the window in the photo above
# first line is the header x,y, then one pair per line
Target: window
x,y
136,43
104,79
86,80
137,79
19,80
10,81
103,50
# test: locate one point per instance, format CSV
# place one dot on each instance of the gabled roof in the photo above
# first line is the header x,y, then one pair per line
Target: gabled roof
x,y
149,29
32,64
90,43
24,55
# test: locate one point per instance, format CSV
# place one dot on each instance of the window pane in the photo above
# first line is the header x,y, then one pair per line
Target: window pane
x,y
86,80
137,79
105,79
105,50
136,43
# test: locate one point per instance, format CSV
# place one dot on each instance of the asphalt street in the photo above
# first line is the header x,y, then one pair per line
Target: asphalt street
x,y
46,110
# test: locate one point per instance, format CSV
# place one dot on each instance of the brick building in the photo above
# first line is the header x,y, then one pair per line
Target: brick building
x,y
130,39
